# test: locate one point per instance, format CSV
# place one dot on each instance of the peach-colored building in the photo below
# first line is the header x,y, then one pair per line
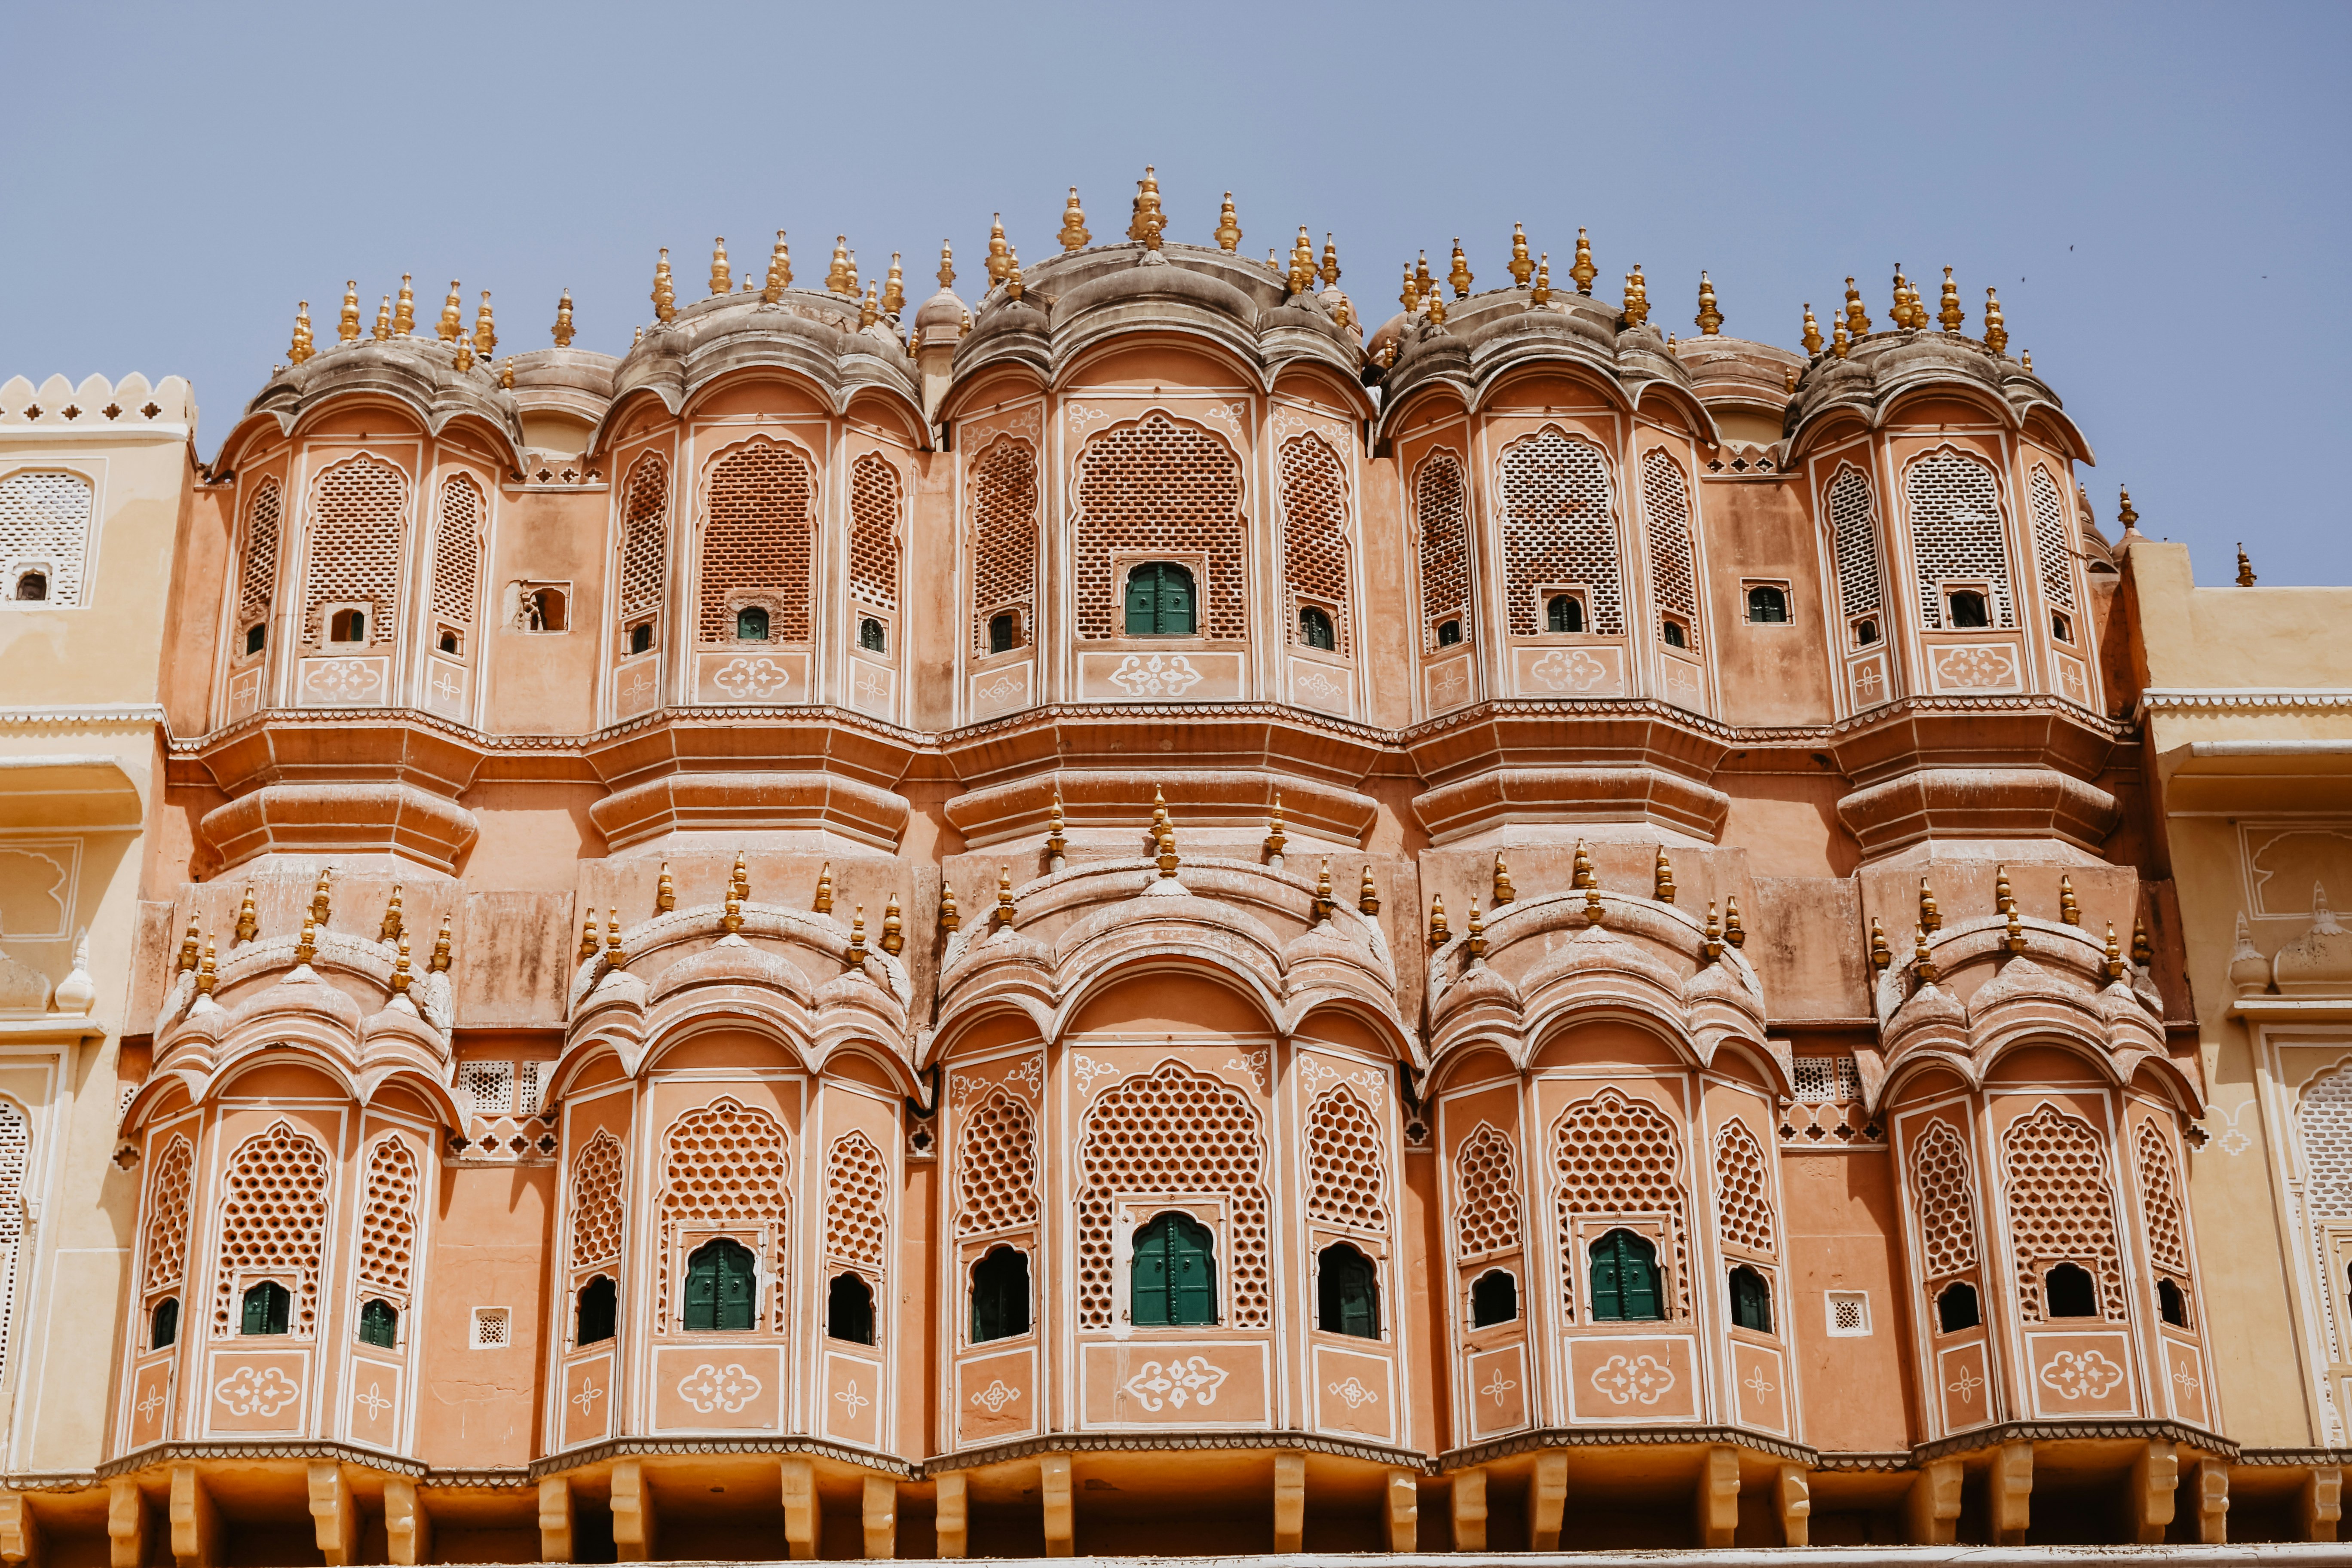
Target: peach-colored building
x,y
1126,918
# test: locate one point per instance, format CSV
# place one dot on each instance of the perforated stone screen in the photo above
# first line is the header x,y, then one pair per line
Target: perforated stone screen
x,y
1558,527
996,1166
1825,1080
1173,1131
1348,1162
388,1222
488,1086
1665,496
1855,534
723,1163
1945,1192
597,1202
1159,487
167,1215
645,516
273,1218
1957,534
1743,1197
1315,531
874,532
757,537
2159,1196
2061,1208
857,1195
2051,545
359,512
1442,512
1486,1193
45,523
257,582
458,552
1004,535
1612,1155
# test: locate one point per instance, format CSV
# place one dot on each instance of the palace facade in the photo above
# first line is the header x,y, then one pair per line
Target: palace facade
x,y
1140,914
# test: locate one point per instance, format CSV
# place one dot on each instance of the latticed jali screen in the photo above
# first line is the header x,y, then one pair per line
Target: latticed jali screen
x,y
1665,496
758,539
1004,535
388,1224
2060,1206
1346,1160
996,1166
1486,1195
645,514
726,1163
597,1202
1946,1194
1441,516
167,1216
1615,1155
458,552
1855,536
273,1221
1159,487
2051,546
1743,1202
45,522
1957,535
256,578
358,512
1315,531
1558,528
855,1185
2159,1191
874,532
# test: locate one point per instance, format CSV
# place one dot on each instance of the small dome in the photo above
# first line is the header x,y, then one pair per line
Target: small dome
x,y
942,310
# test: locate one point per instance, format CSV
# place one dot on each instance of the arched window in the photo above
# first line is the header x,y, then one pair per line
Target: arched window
x,y
379,1325
2171,1304
1000,1295
1448,633
545,610
256,636
1672,633
1751,1300
1625,1285
2069,1292
869,633
751,623
163,1325
1160,602
1346,1293
2061,627
1314,630
1003,632
1494,1298
641,637
1767,605
348,625
719,1287
597,1314
1174,1276
33,586
1563,613
1955,1309
1968,609
849,1310
268,1307
1866,631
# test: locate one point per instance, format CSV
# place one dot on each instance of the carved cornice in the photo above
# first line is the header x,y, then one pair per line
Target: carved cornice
x,y
1622,1437
149,1457
2290,699
2178,1431
1177,1443
647,1447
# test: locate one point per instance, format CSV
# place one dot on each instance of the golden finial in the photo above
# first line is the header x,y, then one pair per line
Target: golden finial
x,y
1812,338
893,287
1005,895
1421,279
1583,272
2124,512
780,271
1857,320
2114,966
1164,831
1593,910
1951,316
1503,891
1302,263
894,928
1438,935
722,277
1013,287
858,935
1323,891
1229,232
2070,908
209,975
1839,346
400,976
2246,567
1330,270
1521,268
1712,944
347,327
1901,309
1880,956
2013,938
506,372
1709,320
1541,293
1436,308
1476,933
439,963
1637,297
1664,879
247,927
2026,361
1410,295
564,333
613,936
392,924
738,880
1150,223
1458,275
1582,875
2003,901
2143,952
382,332
665,290
1000,255
666,891
588,941
1368,897
451,325
1931,919
320,909
301,351
1074,235
462,359
1787,378
824,890
1732,933
731,917
1996,336
306,946
1275,839
836,276
870,310
190,946
1922,964
947,263
637,337
951,918
403,310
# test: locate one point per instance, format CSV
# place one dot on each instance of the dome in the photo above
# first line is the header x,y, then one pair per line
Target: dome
x,y
942,310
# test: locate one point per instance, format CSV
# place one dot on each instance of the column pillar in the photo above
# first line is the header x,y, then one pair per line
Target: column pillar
x,y
126,1523
2322,1504
1470,1511
555,1517
2147,1505
20,1531
334,1514
2212,1498
1404,1510
1792,1497
1931,1513
408,1528
881,1517
1061,1516
1546,1501
803,1515
635,1528
1289,1501
195,1523
2011,1496
1719,1497
954,1516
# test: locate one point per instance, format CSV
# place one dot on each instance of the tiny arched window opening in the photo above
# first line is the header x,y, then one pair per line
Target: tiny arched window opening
x,y
1767,606
449,642
2172,1303
348,625
2061,627
1000,1295
163,1323
869,633
1494,1298
598,1312
379,1325
1626,1285
1003,632
1314,630
256,636
641,637
721,1286
1173,1277
1751,1300
1865,632
1563,613
1448,633
33,587
1160,600
849,1310
1966,608
544,610
1672,633
268,1309
751,623
1955,1309
2067,1291
1348,1293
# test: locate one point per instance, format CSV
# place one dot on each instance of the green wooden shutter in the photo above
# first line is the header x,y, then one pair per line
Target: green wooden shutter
x,y
1149,1276
735,1288
1637,1277
1175,602
1143,601
1607,1302
702,1289
1193,1293
257,1312
1358,1313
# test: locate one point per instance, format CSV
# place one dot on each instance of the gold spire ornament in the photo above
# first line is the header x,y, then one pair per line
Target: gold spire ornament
x,y
612,937
1458,275
2013,937
1149,222
588,937
2246,567
780,272
1637,297
301,351
451,325
1712,944
1164,833
190,946
1812,338
894,289
208,976
563,333
464,357
951,918
858,935
1074,235
1541,293
1503,890
2113,966
1593,910
400,976
824,890
1000,255
2070,908
347,328
382,332
439,963
403,310
665,295
1330,270
1664,879
1709,319
1583,272
306,946
1922,964
1522,269
738,880
1476,933
1839,346
731,917
894,928
1274,838
1996,336
506,372
1931,919
1004,910
1436,308
392,924
1323,902
1438,934
2124,512
1368,897
870,310
2143,952
666,891
1228,234
722,277
1857,320
2026,361
1881,956
1951,315
2003,901
320,909
947,262
247,927
1581,875
837,276
1420,278
1013,287
1787,378
1302,263
1410,295
1732,930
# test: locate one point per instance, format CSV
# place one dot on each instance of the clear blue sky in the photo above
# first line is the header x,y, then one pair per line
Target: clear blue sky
x,y
2160,193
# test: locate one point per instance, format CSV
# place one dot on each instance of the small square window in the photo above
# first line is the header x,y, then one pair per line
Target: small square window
x,y
1768,604
492,1328
1849,1314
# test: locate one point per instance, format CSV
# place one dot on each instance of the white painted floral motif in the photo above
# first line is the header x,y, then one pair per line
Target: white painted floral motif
x,y
1089,1068
1976,667
1188,1378
2234,1142
1965,1386
1229,415
1353,1391
1633,1380
1757,1384
850,1399
1031,1075
346,677
154,1402
1318,687
2186,1382
2086,1376
709,1389
1007,686
747,680
1314,1072
1155,675
1498,1386
1081,415
588,1395
1453,686
1570,669
1869,684
1253,1063
995,1396
372,1402
257,1391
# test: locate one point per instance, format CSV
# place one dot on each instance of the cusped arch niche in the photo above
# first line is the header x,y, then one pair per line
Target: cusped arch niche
x,y
1159,487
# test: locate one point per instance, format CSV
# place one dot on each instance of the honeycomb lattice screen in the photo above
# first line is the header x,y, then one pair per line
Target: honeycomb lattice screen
x,y
1957,534
1665,496
458,552
1486,1195
273,1220
167,1215
757,538
45,523
2051,546
1743,1199
1825,1080
874,532
644,537
596,1205
2160,1196
1945,1196
359,512
1315,532
257,577
1004,535
15,1152
2061,1208
488,1087
388,1222
996,1166
2324,1119
726,1163
1173,1131
1155,487
1441,512
1854,533
856,1201
1347,1161
1559,528
1612,1155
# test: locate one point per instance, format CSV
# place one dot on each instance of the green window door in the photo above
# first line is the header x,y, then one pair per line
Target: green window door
x,y
1159,600
719,1287
1624,1278
1349,1293
1174,1276
268,1307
